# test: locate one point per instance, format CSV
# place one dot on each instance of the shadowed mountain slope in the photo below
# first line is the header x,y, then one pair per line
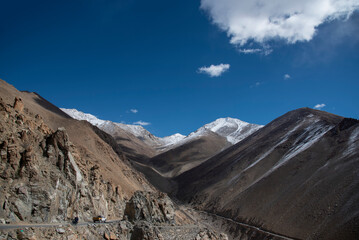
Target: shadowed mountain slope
x,y
192,153
297,176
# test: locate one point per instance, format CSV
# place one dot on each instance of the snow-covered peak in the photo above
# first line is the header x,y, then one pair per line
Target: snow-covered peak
x,y
224,124
137,130
173,139
231,128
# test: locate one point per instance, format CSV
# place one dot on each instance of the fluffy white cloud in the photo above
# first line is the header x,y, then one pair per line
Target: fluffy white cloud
x,y
286,76
214,70
319,106
134,110
263,20
142,123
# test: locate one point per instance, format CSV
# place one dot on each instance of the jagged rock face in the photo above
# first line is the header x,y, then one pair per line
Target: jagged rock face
x,y
150,206
40,179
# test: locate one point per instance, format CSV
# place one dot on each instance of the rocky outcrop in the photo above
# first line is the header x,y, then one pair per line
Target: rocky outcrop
x,y
18,104
40,179
150,206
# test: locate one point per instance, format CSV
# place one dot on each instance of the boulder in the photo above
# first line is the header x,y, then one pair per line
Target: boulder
x,y
18,104
150,206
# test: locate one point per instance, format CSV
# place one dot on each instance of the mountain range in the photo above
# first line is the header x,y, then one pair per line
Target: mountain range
x,y
232,129
295,178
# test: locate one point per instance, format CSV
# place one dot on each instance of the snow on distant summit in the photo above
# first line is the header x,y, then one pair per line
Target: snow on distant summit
x,y
233,129
137,130
83,116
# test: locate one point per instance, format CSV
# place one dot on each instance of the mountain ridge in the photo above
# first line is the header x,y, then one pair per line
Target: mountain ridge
x,y
234,130
291,176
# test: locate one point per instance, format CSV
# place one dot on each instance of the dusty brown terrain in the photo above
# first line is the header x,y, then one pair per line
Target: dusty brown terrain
x,y
188,155
131,146
92,149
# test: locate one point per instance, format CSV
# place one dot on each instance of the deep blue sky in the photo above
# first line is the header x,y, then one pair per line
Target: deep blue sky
x,y
107,57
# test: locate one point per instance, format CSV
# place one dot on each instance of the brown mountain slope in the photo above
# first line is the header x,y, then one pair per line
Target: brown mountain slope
x,y
92,149
297,176
134,148
53,168
160,169
188,155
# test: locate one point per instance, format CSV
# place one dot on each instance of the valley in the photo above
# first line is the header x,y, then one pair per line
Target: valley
x,y
294,178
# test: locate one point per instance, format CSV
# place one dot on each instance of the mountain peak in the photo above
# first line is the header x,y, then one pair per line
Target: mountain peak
x,y
231,128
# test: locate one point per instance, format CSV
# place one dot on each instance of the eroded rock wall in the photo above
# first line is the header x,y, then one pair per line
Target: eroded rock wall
x,y
40,180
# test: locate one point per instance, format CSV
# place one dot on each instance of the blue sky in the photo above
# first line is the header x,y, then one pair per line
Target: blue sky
x,y
108,57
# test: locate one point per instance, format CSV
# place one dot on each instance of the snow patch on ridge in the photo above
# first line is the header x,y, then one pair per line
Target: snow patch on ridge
x,y
310,136
272,149
352,143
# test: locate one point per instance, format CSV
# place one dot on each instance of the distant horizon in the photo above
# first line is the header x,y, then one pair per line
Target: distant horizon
x,y
204,124
176,67
185,134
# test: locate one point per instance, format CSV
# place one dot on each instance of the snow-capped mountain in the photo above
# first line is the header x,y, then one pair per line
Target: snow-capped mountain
x,y
231,128
234,130
175,138
137,130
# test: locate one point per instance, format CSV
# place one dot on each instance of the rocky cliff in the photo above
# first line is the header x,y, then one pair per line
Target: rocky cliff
x,y
43,178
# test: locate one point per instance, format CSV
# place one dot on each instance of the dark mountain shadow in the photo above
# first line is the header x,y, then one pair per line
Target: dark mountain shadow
x,y
47,105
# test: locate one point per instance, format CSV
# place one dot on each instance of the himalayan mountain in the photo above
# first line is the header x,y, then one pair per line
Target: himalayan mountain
x,y
295,178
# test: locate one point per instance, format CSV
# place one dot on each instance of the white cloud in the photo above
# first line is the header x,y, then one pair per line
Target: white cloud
x,y
214,70
134,110
142,123
262,20
265,50
319,106
286,76
250,50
